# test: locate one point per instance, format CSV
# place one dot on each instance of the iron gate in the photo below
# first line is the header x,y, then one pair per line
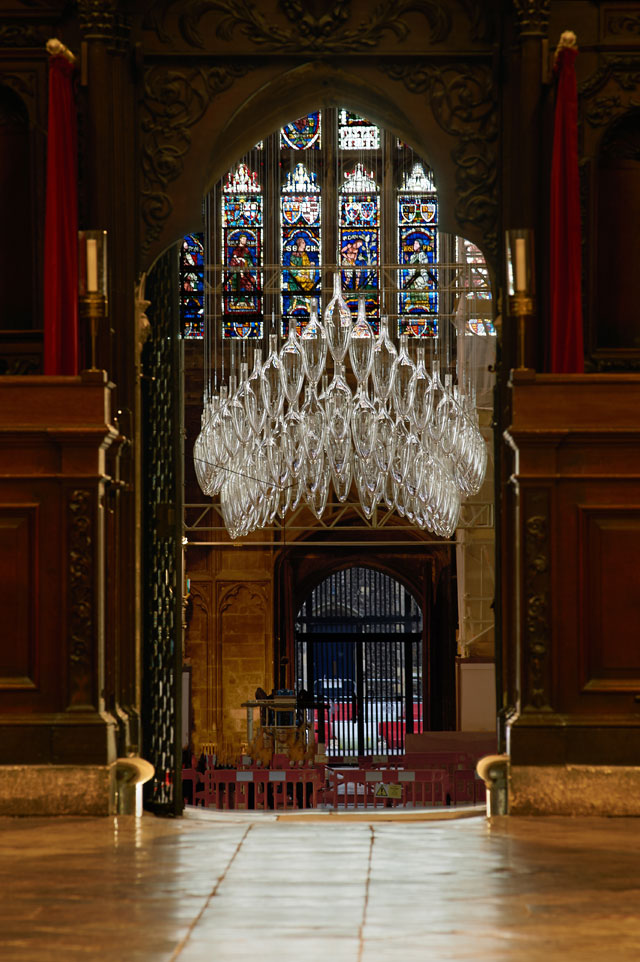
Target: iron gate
x,y
359,657
162,528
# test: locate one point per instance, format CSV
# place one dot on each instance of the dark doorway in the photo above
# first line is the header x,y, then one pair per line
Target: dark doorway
x,y
358,651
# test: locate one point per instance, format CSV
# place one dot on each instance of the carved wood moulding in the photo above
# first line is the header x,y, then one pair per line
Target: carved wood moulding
x,y
533,17
298,27
105,20
174,102
80,548
620,23
536,600
611,91
463,100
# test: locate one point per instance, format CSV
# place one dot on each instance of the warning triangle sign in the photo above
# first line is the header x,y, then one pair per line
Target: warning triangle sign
x,y
382,791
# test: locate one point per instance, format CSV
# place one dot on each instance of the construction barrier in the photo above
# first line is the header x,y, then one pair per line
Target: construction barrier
x,y
260,789
340,788
360,788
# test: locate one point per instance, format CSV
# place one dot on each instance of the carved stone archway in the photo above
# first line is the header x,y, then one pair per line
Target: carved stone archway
x,y
200,112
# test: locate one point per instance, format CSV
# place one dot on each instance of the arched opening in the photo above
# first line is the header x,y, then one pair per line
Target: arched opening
x,y
359,652
243,599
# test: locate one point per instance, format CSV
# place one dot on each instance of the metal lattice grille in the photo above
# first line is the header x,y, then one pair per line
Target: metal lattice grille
x,y
162,516
359,654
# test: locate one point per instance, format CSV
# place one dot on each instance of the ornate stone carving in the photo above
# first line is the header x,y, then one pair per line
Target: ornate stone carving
x,y
247,593
22,35
104,20
22,83
81,596
617,73
20,364
536,607
533,17
464,104
623,69
332,30
174,101
618,24
482,25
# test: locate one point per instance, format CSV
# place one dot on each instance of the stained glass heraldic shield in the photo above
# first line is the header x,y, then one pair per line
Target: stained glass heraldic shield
x,y
328,188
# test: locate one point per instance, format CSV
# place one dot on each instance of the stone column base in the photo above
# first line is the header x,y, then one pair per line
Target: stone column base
x,y
57,790
574,790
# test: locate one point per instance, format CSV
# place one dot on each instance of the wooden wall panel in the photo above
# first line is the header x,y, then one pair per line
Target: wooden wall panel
x,y
610,595
19,597
577,501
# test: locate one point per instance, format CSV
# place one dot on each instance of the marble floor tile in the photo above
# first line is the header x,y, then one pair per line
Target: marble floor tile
x,y
230,890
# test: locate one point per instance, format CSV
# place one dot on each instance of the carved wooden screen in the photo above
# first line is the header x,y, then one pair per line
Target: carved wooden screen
x,y
162,512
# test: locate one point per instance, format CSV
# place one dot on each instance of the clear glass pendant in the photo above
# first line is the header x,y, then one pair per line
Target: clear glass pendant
x,y
337,322
291,367
313,344
337,405
403,380
271,380
422,394
361,345
384,357
363,424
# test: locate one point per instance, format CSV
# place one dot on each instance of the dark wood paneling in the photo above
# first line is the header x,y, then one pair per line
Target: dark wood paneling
x,y
610,589
577,501
19,597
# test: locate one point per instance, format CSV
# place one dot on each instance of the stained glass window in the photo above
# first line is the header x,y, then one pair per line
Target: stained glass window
x,y
359,235
356,133
418,250
192,286
302,134
300,209
477,305
242,244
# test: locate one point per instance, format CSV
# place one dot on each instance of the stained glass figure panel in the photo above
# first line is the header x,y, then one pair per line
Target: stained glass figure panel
x,y
359,237
356,133
192,286
303,134
418,250
300,223
242,246
359,250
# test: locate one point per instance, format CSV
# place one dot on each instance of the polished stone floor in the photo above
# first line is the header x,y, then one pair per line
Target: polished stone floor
x,y
225,889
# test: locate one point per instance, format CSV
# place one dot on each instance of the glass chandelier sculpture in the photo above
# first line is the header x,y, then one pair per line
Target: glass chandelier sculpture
x,y
285,434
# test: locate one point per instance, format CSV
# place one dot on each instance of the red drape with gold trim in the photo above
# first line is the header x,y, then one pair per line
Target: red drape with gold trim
x,y
61,224
566,349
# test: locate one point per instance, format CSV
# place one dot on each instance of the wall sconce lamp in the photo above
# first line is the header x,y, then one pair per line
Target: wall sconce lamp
x,y
521,283
92,282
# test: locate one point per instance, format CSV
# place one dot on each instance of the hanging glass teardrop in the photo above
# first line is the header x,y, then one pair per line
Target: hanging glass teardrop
x,y
291,368
361,345
383,368
313,344
337,322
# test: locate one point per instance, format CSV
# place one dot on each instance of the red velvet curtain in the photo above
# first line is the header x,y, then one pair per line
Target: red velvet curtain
x,y
61,224
566,349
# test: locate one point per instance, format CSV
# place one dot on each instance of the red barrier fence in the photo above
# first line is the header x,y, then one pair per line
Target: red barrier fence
x,y
358,788
260,789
